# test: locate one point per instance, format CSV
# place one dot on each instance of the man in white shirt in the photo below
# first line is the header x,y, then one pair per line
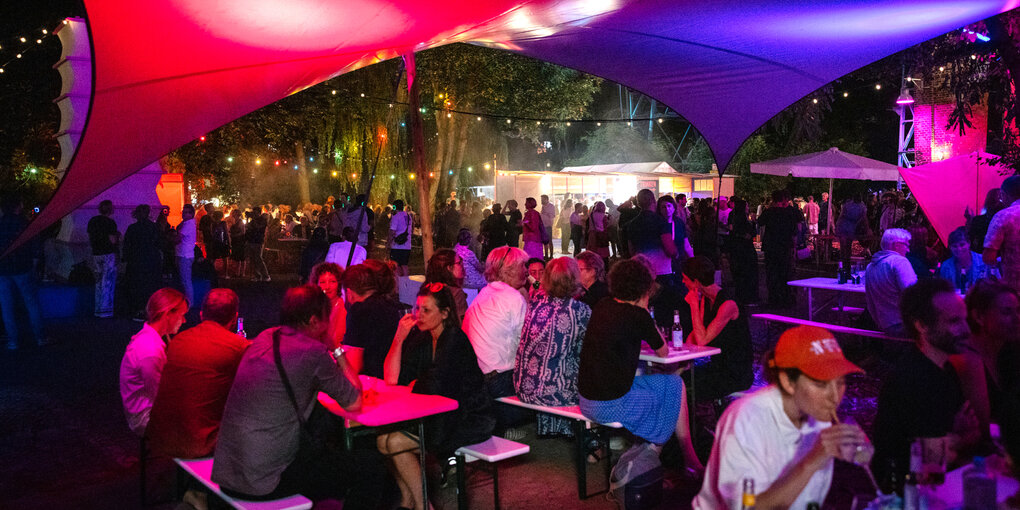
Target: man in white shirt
x,y
781,437
885,280
493,324
185,250
548,213
339,252
399,239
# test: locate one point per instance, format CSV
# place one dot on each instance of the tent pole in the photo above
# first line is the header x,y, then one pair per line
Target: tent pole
x,y
418,155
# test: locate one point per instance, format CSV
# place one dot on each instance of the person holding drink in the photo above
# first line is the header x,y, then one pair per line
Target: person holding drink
x,y
782,439
923,397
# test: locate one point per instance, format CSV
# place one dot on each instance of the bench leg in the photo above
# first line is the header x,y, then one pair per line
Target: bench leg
x,y
462,502
495,486
143,452
580,462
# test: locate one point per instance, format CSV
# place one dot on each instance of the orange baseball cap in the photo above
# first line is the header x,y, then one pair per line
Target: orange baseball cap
x,y
814,351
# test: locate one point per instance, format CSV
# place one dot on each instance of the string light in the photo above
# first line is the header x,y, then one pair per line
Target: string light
x,y
230,159
334,173
315,170
24,40
878,86
846,94
815,100
258,161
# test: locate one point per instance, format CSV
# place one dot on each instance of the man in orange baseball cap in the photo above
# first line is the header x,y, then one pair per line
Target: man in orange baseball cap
x,y
784,437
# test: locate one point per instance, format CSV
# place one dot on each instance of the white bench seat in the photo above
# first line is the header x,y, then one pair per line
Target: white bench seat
x,y
572,412
845,330
582,426
491,450
201,470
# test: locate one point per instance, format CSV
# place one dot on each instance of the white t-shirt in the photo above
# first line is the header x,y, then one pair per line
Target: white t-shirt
x,y
189,236
338,253
493,324
755,439
140,371
549,215
400,223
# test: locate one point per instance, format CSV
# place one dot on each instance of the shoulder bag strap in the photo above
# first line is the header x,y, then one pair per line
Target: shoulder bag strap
x,y
283,375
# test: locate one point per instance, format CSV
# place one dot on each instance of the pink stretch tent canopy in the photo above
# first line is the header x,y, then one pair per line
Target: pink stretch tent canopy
x,y
167,71
946,189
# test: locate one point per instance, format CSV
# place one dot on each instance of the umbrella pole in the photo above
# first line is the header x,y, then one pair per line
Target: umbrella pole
x,y
829,220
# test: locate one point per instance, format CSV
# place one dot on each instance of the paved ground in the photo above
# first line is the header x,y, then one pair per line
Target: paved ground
x,y
65,443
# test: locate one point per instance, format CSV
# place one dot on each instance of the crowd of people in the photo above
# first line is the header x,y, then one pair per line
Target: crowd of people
x,y
556,331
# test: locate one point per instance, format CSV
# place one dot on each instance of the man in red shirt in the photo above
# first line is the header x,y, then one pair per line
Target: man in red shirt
x,y
200,367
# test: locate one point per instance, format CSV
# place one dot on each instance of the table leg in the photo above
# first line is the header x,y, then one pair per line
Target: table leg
x,y
421,458
810,304
840,304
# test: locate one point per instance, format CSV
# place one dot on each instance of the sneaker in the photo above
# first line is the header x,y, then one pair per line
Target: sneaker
x,y
514,434
12,345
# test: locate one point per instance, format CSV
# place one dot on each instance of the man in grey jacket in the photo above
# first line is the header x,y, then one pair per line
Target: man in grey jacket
x,y
885,279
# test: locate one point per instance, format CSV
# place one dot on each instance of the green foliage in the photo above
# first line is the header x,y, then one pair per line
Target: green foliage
x,y
619,143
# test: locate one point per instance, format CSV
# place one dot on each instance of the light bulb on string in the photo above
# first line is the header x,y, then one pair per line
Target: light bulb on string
x,y
24,40
38,41
448,115
44,31
568,124
258,161
334,92
507,121
230,159
660,120
478,118
846,94
815,100
878,86
598,124
315,170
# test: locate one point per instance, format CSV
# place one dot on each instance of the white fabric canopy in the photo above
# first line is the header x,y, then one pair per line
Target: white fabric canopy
x,y
830,164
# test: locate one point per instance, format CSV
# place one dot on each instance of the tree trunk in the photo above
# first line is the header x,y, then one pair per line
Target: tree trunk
x,y
418,156
458,158
305,195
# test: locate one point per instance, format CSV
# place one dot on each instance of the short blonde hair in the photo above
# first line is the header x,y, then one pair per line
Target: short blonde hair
x,y
501,261
562,278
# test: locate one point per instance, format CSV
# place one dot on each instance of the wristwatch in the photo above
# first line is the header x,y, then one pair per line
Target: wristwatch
x,y
338,353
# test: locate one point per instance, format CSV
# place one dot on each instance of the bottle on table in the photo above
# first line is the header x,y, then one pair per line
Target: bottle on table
x,y
747,499
240,327
841,274
677,333
979,486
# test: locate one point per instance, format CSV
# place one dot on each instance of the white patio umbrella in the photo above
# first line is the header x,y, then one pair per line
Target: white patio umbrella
x,y
830,164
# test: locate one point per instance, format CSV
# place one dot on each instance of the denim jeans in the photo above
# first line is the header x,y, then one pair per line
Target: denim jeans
x,y
105,268
184,269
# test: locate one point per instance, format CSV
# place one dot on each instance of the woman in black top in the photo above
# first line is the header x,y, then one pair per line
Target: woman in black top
x,y
718,321
372,315
431,352
743,257
652,407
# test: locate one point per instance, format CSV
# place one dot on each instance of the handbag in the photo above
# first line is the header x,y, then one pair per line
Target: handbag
x,y
636,479
402,238
320,424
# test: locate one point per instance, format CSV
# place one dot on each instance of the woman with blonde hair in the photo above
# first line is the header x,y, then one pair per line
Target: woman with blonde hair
x,y
327,276
547,357
143,361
